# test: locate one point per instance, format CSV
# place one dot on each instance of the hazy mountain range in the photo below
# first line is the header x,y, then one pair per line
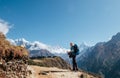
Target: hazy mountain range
x,y
103,58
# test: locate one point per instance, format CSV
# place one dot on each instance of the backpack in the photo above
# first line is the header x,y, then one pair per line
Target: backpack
x,y
76,49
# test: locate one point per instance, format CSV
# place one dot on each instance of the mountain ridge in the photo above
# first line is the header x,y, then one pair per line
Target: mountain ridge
x,y
103,58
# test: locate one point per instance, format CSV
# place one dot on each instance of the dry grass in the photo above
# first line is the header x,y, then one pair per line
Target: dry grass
x,y
6,49
50,62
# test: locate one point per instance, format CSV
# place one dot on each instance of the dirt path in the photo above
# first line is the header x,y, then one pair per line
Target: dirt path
x,y
52,72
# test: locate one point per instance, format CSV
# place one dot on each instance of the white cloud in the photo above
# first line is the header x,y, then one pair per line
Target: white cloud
x,y
4,27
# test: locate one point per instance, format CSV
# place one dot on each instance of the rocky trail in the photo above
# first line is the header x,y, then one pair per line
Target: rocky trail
x,y
53,72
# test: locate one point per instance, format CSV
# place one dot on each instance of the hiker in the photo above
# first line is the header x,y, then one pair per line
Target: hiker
x,y
74,51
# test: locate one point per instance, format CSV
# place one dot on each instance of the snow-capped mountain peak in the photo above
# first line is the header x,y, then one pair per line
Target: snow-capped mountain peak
x,y
36,45
83,46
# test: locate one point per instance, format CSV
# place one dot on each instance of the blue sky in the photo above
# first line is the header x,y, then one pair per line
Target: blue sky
x,y
58,22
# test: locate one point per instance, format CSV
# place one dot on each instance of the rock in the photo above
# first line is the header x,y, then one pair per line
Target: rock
x,y
43,73
15,69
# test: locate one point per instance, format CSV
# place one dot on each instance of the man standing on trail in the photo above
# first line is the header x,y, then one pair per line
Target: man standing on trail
x,y
74,51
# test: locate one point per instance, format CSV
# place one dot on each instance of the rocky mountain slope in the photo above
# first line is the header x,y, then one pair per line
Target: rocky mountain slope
x,y
103,58
13,60
41,53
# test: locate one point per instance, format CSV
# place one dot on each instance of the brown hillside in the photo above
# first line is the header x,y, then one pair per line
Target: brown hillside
x,y
13,60
9,52
50,62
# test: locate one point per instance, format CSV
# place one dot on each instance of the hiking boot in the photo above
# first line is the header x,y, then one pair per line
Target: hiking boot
x,y
76,69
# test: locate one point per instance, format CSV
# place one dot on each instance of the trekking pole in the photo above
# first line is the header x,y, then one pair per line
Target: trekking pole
x,y
69,61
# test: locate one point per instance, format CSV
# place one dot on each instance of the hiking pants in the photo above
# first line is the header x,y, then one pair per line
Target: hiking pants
x,y
74,63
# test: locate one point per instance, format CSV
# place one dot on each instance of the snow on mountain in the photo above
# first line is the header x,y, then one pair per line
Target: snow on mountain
x,y
36,45
83,46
